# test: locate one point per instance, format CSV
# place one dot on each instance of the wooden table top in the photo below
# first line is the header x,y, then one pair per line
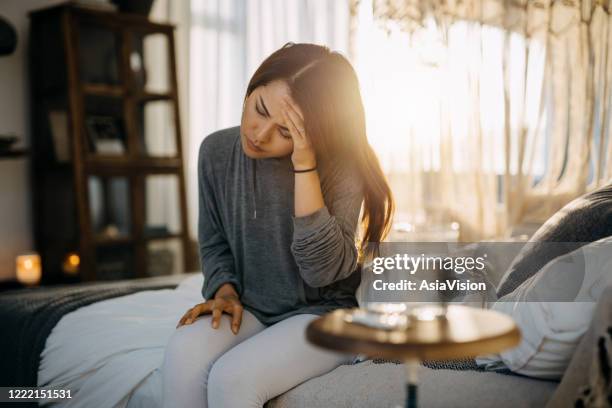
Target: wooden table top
x,y
466,332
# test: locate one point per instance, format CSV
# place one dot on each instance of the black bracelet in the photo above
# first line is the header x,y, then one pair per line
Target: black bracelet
x,y
305,171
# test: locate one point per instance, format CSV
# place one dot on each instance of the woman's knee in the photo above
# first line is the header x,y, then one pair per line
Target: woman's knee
x,y
187,350
193,348
182,341
185,370
229,385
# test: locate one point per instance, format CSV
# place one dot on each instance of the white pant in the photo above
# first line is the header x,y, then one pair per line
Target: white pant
x,y
206,367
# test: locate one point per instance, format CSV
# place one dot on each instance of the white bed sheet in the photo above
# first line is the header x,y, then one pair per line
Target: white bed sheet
x,y
109,354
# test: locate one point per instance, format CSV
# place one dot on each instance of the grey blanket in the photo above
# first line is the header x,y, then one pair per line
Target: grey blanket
x,y
459,365
467,364
28,316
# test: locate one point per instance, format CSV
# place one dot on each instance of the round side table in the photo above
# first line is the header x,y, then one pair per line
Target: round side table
x,y
463,332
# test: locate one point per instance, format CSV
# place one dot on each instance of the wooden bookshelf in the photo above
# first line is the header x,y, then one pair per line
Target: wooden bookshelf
x,y
102,168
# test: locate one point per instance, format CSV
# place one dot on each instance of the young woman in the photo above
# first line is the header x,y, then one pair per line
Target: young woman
x,y
280,198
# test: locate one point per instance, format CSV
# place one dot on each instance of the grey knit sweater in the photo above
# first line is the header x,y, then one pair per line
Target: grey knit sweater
x,y
280,265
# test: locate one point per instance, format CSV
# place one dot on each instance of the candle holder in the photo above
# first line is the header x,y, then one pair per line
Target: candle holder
x,y
71,264
28,269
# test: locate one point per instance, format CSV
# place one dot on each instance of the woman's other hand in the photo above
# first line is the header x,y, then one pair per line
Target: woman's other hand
x,y
226,300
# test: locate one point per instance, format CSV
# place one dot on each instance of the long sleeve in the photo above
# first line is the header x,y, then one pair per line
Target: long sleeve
x,y
324,242
215,253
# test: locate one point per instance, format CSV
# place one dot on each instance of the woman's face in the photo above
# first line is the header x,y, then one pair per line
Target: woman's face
x,y
262,130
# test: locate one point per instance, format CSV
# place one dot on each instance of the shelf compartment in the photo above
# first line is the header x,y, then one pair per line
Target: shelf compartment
x,y
105,125
164,257
115,262
100,64
162,206
109,208
157,125
149,61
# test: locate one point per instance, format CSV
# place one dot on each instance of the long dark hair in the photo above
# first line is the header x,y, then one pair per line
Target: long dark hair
x,y
325,86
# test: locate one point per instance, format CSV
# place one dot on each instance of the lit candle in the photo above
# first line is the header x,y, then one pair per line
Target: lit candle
x,y
28,269
71,263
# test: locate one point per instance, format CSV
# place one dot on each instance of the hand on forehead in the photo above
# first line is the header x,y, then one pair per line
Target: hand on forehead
x,y
273,95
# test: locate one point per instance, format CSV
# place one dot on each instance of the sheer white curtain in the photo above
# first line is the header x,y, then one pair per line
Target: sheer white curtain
x,y
228,41
486,112
162,192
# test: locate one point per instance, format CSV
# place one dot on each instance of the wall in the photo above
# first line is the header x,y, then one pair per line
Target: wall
x,y
15,198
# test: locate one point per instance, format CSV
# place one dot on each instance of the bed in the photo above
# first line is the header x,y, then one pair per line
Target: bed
x,y
51,337
105,341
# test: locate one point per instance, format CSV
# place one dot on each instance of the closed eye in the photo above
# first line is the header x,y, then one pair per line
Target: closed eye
x,y
259,111
284,132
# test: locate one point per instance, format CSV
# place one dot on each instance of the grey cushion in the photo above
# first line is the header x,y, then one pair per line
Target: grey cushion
x,y
586,219
588,381
382,385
